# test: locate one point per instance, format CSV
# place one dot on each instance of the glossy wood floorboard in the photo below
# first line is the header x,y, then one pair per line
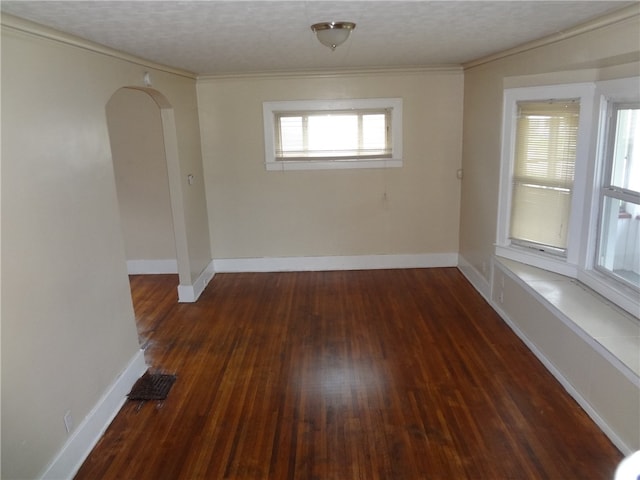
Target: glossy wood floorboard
x,y
386,374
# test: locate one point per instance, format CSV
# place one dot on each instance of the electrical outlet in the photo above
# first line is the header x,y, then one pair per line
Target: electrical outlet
x,y
68,421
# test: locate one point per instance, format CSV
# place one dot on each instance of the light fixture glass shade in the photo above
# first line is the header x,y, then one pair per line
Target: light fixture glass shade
x,y
332,34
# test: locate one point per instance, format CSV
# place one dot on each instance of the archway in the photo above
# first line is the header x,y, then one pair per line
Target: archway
x,y
143,140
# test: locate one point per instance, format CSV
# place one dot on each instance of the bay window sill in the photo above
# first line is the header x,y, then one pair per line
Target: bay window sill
x,y
612,328
539,260
623,297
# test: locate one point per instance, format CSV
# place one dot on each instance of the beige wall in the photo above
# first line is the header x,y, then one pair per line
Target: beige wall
x,y
608,52
142,183
408,210
67,322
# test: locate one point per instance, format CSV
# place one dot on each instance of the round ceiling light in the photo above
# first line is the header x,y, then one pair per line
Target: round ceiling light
x,y
332,34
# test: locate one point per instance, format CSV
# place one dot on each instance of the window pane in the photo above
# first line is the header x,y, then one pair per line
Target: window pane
x,y
374,133
626,159
541,216
544,165
619,252
291,134
546,141
333,135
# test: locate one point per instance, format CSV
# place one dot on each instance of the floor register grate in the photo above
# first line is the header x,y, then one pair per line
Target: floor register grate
x,y
152,386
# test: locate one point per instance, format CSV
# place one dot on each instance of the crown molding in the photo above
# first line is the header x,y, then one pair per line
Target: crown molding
x,y
21,25
600,22
340,73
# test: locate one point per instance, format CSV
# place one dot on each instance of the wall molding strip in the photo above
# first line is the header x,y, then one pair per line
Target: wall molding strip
x,y
600,22
325,263
26,26
82,440
191,293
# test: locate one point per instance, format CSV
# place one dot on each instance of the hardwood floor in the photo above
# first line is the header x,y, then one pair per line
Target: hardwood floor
x,y
386,374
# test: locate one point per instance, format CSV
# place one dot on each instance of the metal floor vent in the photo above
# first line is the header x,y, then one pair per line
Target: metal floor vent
x,y
152,386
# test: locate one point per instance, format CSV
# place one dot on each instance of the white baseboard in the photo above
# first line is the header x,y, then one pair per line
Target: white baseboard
x,y
191,293
356,262
566,384
484,288
77,448
475,278
152,267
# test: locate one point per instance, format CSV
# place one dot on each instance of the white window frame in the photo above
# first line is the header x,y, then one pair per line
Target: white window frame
x,y
269,109
623,90
579,263
584,92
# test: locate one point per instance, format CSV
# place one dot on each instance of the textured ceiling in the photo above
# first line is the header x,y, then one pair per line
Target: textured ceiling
x,y
223,37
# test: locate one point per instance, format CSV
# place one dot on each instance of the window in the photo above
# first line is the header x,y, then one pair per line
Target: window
x,y
618,253
545,151
570,184
318,135
544,164
302,135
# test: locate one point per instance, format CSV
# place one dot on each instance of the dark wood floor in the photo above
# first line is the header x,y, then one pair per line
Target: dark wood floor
x,y
396,374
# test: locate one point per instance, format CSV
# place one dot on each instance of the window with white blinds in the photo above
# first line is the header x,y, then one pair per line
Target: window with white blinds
x,y
328,134
569,198
336,135
543,173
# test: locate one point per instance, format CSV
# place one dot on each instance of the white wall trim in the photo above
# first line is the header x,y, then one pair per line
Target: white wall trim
x,y
32,28
475,278
485,289
356,262
74,452
591,25
445,69
152,267
191,293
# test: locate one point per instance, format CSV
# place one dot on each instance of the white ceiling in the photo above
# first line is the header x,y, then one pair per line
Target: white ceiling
x,y
223,37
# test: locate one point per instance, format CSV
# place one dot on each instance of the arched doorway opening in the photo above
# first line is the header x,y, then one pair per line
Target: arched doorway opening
x,y
143,139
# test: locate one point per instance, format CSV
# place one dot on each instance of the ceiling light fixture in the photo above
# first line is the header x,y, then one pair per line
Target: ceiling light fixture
x,y
332,34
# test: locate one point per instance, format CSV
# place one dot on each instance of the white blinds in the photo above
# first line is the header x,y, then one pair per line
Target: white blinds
x,y
352,134
543,173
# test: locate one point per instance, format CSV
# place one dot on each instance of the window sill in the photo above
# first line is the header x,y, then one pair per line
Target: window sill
x,y
543,261
621,296
613,329
285,165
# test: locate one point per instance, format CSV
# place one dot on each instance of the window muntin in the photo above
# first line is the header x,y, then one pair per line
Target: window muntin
x,y
618,251
543,173
336,135
333,134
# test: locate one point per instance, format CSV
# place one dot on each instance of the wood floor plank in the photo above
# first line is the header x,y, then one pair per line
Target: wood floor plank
x,y
386,374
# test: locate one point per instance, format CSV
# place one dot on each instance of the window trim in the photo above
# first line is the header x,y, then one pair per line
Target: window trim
x,y
524,108
550,261
620,91
606,189
272,163
579,264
